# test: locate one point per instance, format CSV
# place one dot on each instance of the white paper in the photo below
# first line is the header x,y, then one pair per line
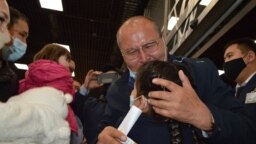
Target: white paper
x,y
130,119
128,122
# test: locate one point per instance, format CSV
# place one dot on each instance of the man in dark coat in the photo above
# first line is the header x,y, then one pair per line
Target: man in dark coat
x,y
210,107
90,101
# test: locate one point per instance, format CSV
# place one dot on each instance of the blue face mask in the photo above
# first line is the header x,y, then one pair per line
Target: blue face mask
x,y
15,51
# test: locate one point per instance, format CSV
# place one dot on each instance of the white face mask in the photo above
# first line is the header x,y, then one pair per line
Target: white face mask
x,y
132,74
4,38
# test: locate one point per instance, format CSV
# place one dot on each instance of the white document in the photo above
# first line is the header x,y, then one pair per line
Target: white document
x,y
128,122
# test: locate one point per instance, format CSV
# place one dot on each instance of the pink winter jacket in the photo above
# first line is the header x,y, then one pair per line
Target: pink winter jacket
x,y
50,73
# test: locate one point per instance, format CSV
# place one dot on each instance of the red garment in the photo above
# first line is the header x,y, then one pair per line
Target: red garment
x,y
50,73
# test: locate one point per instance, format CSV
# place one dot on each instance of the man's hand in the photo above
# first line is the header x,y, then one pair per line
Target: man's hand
x,y
111,135
181,103
90,81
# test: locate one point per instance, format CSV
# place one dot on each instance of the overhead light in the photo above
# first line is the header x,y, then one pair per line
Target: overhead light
x,y
21,66
65,46
172,22
221,72
73,74
52,4
205,2
254,41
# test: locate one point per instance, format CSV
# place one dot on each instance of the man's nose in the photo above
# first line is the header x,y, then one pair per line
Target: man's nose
x,y
4,27
143,56
6,34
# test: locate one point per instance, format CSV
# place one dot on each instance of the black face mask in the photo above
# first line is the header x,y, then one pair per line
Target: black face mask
x,y
233,68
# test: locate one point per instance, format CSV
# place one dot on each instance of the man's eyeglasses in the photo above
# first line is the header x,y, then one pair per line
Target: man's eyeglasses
x,y
147,48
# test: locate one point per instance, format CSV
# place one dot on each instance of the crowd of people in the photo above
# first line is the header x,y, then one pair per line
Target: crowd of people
x,y
183,100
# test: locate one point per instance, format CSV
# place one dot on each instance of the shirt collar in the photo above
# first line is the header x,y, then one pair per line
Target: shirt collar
x,y
246,81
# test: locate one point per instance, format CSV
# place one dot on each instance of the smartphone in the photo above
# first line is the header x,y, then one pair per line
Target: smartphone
x,y
106,78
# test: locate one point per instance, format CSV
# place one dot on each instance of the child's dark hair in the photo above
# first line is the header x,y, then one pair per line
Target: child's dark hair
x,y
157,69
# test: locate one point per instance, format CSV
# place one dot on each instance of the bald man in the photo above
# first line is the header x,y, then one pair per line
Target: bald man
x,y
208,109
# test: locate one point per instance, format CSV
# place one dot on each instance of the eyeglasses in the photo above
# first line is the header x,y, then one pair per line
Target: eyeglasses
x,y
147,48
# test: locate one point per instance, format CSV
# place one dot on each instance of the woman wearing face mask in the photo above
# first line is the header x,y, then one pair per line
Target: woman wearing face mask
x,y
15,51
18,29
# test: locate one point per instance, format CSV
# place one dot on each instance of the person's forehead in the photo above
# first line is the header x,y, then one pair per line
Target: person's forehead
x,y
147,28
63,56
140,34
21,25
232,49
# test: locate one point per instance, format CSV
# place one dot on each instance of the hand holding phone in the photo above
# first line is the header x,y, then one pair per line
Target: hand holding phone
x,y
106,78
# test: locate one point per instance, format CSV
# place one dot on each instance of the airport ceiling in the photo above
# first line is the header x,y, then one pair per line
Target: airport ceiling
x,y
246,27
89,28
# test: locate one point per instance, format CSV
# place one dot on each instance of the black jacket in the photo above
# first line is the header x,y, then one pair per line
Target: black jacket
x,y
232,124
9,84
90,109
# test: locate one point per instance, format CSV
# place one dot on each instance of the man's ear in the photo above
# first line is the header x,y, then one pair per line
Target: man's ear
x,y
251,56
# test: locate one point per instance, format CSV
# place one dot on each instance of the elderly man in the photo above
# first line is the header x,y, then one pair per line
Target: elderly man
x,y
207,108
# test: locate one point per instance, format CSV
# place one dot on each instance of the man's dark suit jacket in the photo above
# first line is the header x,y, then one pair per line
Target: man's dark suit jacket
x,y
249,87
229,128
